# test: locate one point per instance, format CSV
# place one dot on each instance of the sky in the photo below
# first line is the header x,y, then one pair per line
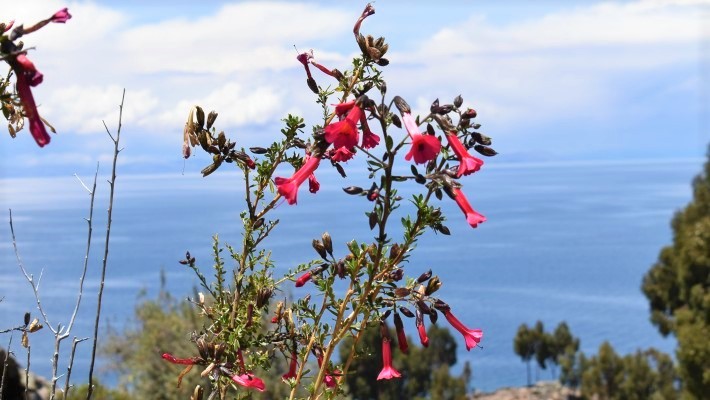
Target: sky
x,y
551,80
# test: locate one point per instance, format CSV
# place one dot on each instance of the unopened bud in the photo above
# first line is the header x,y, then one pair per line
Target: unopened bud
x,y
200,114
211,117
458,101
402,106
434,108
406,312
433,285
424,277
27,318
385,315
441,306
320,248
312,85
468,114
258,150
481,138
397,274
485,150
433,316
402,292
197,393
372,220
382,62
396,121
423,307
327,242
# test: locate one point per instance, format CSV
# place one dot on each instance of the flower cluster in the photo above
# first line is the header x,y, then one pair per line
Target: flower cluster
x,y
27,75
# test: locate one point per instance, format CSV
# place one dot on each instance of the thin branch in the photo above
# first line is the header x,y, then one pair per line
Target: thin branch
x,y
112,184
71,364
5,364
30,278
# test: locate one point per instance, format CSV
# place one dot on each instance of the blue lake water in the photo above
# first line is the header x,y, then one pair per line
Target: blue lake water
x,y
562,242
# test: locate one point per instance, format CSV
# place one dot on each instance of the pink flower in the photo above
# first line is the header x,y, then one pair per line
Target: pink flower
x,y
344,133
37,128
424,147
288,187
472,336
303,279
28,68
468,164
423,338
472,217
341,154
401,336
343,108
9,25
292,368
388,372
61,16
329,379
249,381
369,139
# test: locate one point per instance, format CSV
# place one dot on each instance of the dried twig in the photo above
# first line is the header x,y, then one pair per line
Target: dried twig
x,y
5,364
112,184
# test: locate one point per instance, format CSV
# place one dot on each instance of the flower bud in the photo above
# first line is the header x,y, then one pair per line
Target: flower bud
x,y
433,316
481,138
423,307
385,315
424,277
303,279
200,114
434,108
258,150
372,220
27,318
485,150
441,306
433,285
396,121
458,101
197,393
402,292
211,117
397,274
353,190
406,312
401,336
327,242
320,248
468,114
402,106
312,85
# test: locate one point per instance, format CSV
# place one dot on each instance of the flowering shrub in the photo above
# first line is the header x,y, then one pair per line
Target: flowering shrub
x,y
246,330
18,105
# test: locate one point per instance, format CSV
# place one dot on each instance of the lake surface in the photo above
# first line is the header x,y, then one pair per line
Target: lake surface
x,y
563,242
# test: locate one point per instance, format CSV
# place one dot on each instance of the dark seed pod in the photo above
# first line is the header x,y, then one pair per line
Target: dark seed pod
x,y
476,126
397,274
312,85
420,179
383,87
445,109
320,248
396,121
406,312
259,223
424,277
327,242
385,315
430,129
481,138
394,251
372,219
434,108
485,150
353,190
458,101
200,114
441,306
443,229
211,117
433,316
340,170
402,292
27,318
423,307
402,105
258,150
340,267
438,194
433,285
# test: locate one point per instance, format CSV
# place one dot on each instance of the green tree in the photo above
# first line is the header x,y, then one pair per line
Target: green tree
x,y
425,371
678,289
562,343
524,346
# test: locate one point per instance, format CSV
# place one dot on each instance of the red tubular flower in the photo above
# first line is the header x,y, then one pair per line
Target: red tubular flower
x,y
472,217
329,379
37,128
468,164
344,133
288,188
303,279
401,336
424,147
292,367
303,58
388,372
343,108
472,336
61,16
249,381
182,361
9,25
423,338
369,139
